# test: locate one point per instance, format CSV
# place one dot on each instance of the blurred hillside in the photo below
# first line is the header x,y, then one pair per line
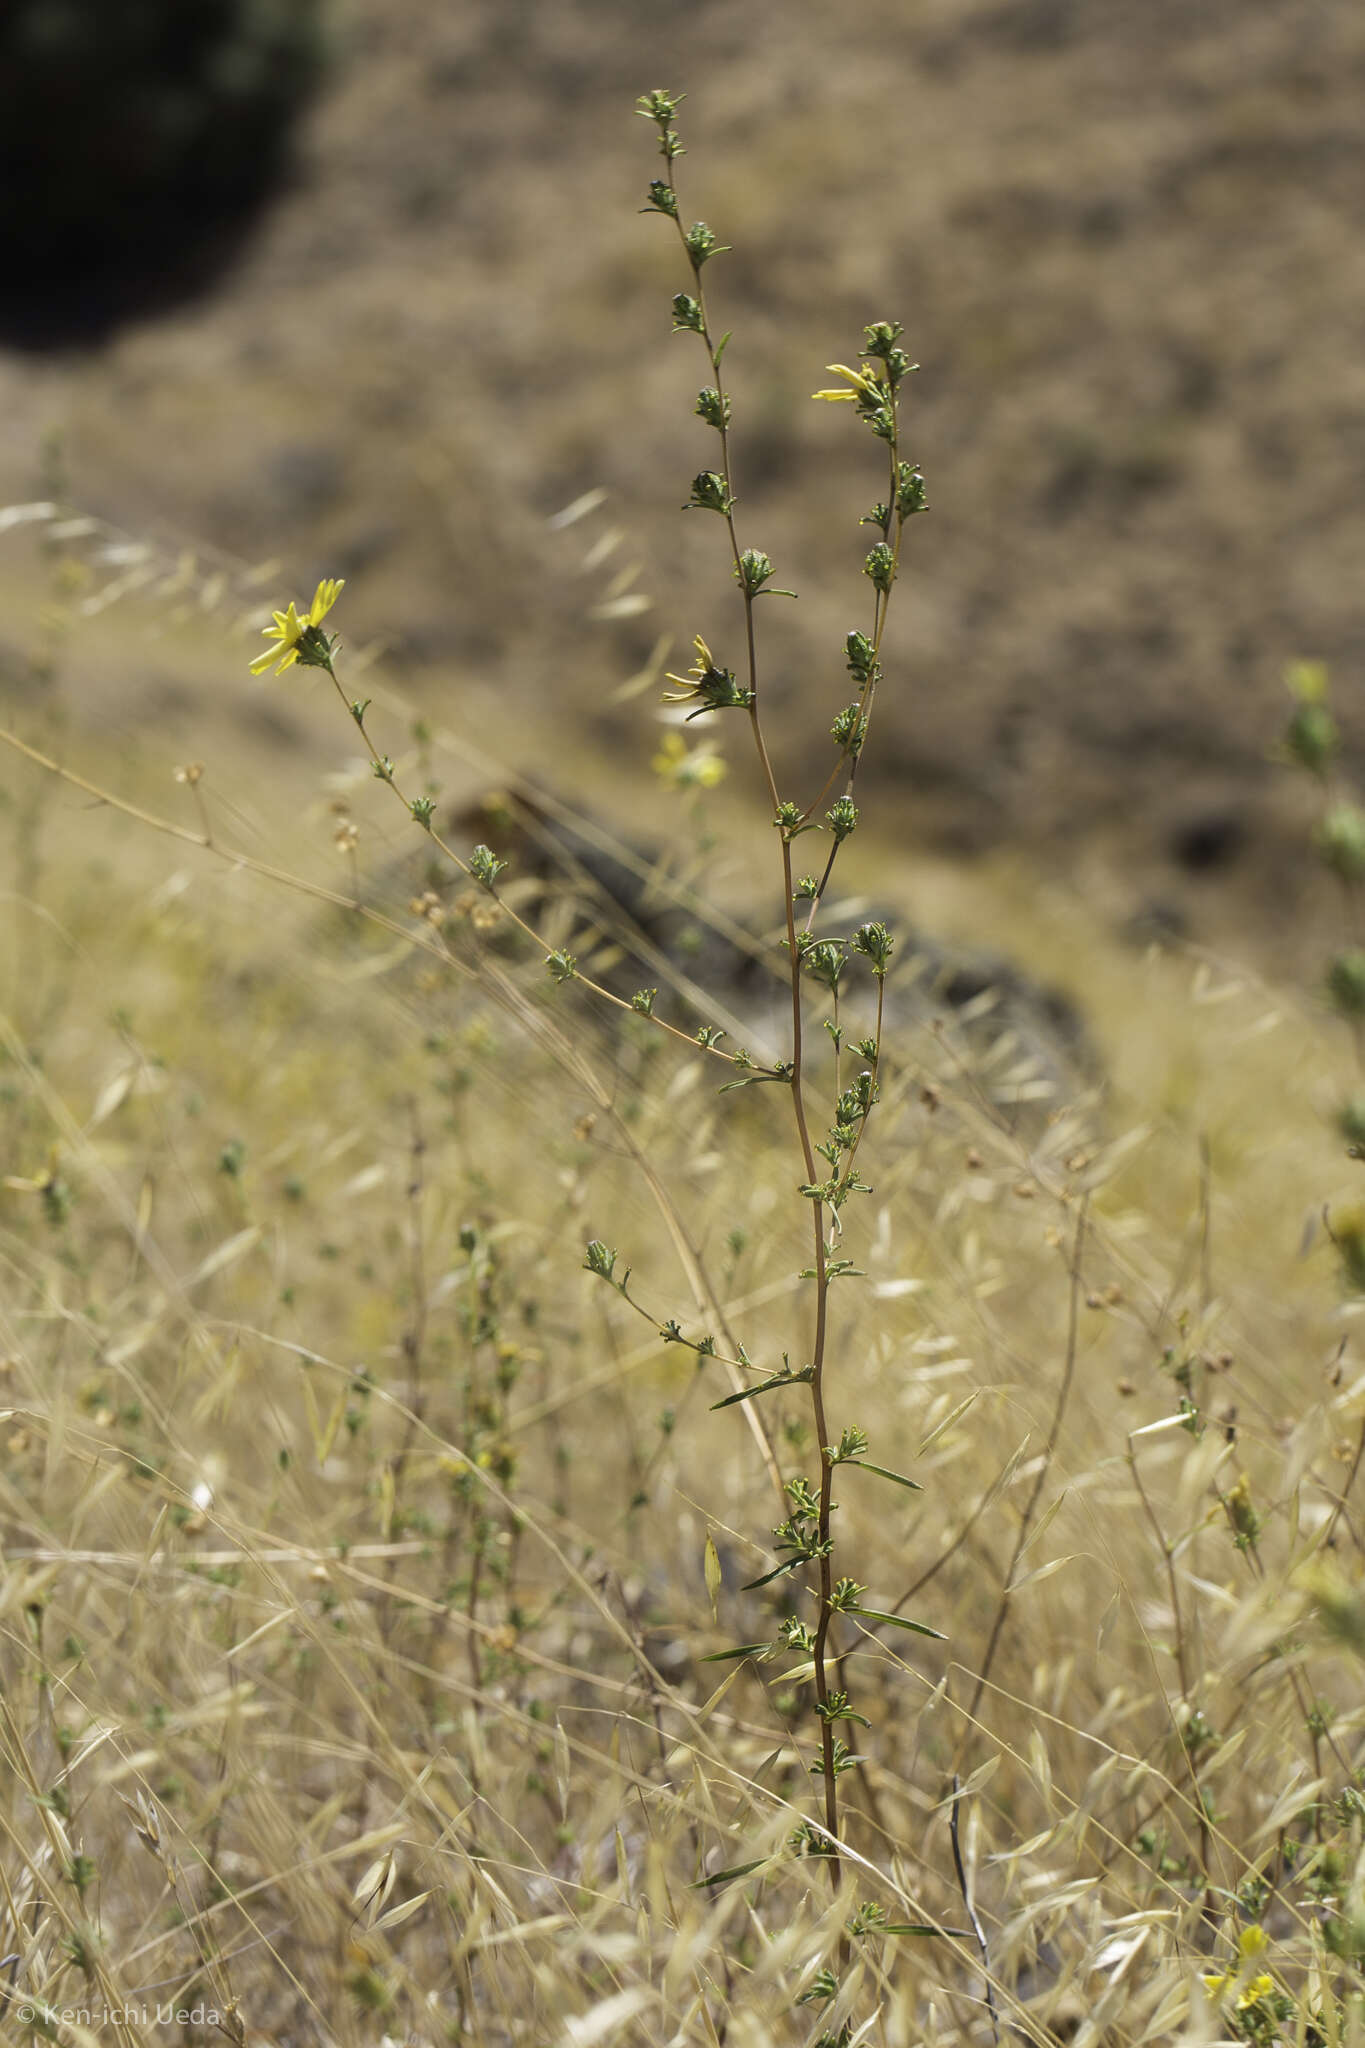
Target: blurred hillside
x,y
1125,242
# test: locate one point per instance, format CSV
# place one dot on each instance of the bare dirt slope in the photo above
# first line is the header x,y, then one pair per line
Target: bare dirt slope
x,y
1124,236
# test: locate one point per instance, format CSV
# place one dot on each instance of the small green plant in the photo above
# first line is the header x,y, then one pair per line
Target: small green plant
x,y
874,386
829,1139
1312,744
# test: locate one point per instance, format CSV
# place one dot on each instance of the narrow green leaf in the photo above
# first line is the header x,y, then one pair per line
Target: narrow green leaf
x,y
743,1650
776,1573
750,1080
728,1876
861,1465
779,1379
919,1628
919,1928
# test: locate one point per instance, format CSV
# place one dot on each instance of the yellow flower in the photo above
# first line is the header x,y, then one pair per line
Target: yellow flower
x,y
700,769
1257,1989
1252,1943
863,382
687,685
289,627
1307,680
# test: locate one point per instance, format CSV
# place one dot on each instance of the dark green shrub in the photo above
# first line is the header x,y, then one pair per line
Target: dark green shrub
x,y
137,139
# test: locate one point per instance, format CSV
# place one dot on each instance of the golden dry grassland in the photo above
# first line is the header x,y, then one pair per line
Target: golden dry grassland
x,y
355,1541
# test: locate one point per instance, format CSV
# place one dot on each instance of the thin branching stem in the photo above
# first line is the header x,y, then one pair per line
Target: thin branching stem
x,y
388,775
983,1946
1045,1464
819,1417
1167,1550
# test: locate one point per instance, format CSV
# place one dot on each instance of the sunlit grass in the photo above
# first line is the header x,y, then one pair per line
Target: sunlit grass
x,y
412,1380
342,1519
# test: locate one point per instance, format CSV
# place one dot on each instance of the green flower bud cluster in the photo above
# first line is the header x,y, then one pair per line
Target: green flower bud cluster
x,y
862,658
701,244
910,497
849,729
855,1102
1311,738
485,867
713,408
874,942
660,107
791,821
752,571
600,1260
1341,841
880,566
662,198
1346,982
842,818
822,959
710,493
879,341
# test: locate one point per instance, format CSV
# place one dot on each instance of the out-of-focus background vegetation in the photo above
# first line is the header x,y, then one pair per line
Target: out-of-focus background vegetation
x,y
1125,242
